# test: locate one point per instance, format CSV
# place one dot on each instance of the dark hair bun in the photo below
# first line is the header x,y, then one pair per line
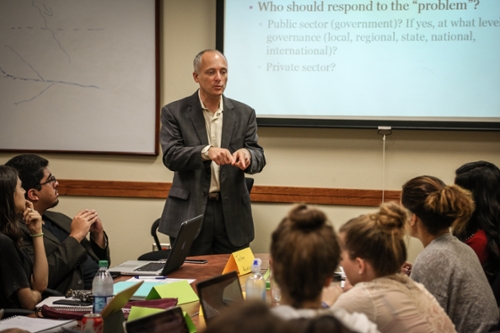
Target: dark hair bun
x,y
305,218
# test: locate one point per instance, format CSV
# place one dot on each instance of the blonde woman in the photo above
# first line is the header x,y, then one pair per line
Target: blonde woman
x,y
373,252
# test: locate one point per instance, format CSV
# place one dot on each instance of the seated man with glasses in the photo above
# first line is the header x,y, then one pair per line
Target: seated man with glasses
x,y
73,258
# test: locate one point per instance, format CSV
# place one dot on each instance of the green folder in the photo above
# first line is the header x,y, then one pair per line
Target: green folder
x,y
181,290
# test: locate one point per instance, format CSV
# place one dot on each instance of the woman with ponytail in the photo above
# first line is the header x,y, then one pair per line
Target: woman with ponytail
x,y
373,252
448,268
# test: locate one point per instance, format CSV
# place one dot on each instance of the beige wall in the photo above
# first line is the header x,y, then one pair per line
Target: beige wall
x,y
331,158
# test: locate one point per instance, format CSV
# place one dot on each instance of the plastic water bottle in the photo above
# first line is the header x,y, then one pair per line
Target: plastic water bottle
x,y
256,285
275,289
102,287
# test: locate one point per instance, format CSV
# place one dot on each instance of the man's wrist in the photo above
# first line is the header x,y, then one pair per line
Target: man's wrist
x,y
99,238
78,238
204,152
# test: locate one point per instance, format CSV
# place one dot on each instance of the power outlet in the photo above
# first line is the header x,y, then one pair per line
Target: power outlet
x,y
164,246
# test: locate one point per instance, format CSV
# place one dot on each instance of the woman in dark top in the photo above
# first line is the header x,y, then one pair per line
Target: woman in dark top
x,y
482,232
21,281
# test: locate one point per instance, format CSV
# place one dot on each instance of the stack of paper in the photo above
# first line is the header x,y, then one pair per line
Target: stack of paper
x,y
37,324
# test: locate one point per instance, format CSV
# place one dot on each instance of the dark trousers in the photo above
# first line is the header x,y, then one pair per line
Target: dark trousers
x,y
213,237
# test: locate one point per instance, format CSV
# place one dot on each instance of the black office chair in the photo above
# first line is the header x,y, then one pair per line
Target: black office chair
x,y
161,254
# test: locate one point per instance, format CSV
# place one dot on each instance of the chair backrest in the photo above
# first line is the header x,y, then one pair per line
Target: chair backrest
x,y
154,229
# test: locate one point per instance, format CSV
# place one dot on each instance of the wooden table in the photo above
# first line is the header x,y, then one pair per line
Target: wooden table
x,y
200,272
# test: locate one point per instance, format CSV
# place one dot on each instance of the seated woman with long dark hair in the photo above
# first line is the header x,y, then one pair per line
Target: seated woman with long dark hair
x,y
304,255
22,281
373,251
448,268
482,232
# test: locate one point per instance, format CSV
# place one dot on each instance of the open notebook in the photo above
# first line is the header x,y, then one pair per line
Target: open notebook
x,y
218,293
178,254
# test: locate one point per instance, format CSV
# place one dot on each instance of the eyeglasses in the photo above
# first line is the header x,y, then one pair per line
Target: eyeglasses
x,y
51,181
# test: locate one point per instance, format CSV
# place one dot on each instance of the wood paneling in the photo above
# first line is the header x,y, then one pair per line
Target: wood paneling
x,y
264,194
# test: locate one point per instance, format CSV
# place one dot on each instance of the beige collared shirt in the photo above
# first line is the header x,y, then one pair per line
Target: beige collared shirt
x,y
213,124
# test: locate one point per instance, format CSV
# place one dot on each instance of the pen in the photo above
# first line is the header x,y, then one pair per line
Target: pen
x,y
162,277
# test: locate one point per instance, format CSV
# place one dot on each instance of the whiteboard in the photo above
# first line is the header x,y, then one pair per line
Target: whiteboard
x,y
79,76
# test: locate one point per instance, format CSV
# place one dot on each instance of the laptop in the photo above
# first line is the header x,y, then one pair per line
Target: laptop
x,y
176,257
219,293
170,320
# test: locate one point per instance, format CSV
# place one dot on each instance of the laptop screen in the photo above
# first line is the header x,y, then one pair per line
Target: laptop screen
x,y
171,320
218,293
178,253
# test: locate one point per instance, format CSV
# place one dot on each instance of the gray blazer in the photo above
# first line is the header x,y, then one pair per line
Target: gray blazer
x,y
183,136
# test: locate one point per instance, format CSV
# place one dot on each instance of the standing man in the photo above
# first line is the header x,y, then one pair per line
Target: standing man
x,y
73,259
210,142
